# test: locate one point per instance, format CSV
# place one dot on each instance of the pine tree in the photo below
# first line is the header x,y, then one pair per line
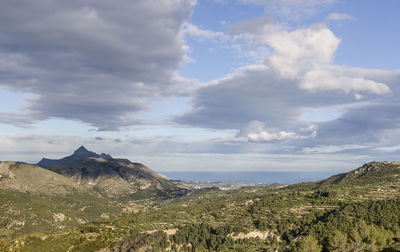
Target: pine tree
x,y
307,244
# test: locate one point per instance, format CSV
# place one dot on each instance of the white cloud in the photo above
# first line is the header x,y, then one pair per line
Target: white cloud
x,y
256,131
97,61
327,80
331,148
192,30
306,55
394,148
298,76
298,51
339,17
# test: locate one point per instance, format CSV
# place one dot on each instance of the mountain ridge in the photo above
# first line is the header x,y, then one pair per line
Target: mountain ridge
x,y
371,172
79,154
117,177
112,177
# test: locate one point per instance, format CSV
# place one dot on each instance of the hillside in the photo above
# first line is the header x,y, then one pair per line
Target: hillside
x,y
352,213
36,199
372,173
82,189
118,178
28,178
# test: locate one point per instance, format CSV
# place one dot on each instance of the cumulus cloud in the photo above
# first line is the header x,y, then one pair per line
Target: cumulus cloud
x,y
257,92
300,50
306,55
298,76
325,80
256,131
95,61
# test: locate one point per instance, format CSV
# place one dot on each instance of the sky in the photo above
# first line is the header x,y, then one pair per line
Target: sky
x,y
206,85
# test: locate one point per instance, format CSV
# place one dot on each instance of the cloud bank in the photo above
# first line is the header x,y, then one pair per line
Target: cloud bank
x,y
297,77
94,61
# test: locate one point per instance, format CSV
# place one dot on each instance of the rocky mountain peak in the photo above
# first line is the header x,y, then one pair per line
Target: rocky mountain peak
x,y
81,150
79,154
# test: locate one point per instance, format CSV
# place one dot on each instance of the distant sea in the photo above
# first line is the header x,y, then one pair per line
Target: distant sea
x,y
250,177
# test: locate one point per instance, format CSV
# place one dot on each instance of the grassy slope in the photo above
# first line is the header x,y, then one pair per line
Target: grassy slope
x,y
24,177
35,199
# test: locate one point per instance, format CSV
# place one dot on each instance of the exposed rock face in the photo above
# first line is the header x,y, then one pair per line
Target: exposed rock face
x,y
79,154
374,167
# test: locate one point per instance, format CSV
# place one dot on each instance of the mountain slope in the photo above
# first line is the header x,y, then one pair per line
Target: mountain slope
x,y
371,173
117,178
75,191
24,177
79,154
35,199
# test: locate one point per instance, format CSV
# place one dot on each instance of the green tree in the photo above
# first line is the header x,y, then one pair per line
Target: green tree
x,y
307,244
337,241
4,245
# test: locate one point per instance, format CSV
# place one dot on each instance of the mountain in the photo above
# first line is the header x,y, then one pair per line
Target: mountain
x,y
112,177
79,154
82,187
118,178
371,173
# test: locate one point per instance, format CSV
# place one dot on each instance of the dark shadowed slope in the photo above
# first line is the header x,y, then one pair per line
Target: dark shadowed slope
x,y
118,178
79,154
